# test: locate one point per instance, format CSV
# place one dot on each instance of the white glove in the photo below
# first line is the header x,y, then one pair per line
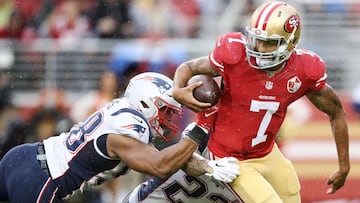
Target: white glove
x,y
225,169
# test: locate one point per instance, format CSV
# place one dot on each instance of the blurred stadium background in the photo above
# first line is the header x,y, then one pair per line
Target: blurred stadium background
x,y
54,52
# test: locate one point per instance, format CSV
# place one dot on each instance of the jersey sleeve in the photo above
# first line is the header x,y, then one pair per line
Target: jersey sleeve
x,y
130,124
229,49
315,69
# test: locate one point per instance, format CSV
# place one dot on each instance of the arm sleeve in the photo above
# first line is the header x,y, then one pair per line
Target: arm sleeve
x,y
132,126
316,72
229,49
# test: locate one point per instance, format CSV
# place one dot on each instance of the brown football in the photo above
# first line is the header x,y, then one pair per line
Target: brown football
x,y
208,92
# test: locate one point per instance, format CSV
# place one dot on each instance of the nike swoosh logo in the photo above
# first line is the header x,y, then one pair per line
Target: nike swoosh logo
x,y
209,114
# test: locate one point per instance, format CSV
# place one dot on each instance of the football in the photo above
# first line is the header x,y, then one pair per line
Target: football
x,y
208,92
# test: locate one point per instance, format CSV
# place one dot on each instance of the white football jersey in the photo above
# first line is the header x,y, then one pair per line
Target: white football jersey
x,y
181,187
78,159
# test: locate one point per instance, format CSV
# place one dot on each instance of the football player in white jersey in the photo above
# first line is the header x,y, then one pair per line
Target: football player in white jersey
x,y
106,145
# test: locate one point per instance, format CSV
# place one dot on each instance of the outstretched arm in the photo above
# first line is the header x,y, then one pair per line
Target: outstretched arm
x,y
328,102
183,73
197,166
146,159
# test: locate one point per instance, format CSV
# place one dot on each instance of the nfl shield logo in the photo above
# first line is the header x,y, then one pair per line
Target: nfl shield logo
x,y
269,85
293,84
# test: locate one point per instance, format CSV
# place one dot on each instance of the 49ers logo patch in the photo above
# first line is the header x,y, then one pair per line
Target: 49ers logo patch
x,y
293,84
292,23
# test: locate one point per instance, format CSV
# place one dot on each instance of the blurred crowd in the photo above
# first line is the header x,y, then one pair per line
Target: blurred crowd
x,y
69,19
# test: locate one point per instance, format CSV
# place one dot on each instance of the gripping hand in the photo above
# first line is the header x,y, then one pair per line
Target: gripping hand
x,y
225,169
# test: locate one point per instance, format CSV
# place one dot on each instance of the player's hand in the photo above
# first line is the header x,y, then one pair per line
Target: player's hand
x,y
336,181
185,97
207,118
225,169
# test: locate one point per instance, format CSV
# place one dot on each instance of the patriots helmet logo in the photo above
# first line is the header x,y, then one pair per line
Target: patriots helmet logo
x,y
162,84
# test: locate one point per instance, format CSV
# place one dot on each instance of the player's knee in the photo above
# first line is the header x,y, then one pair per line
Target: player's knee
x,y
291,194
289,190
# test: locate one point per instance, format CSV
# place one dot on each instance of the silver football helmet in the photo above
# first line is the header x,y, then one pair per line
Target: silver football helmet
x,y
151,94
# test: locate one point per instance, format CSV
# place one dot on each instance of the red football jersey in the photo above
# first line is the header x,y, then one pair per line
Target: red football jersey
x,y
253,105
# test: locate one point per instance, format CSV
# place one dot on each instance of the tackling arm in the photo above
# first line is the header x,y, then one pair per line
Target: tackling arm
x,y
146,159
197,166
327,101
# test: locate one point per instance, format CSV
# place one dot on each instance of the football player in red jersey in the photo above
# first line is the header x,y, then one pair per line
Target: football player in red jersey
x,y
262,73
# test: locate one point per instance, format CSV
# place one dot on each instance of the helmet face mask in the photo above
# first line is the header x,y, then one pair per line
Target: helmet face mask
x,y
162,124
151,94
277,24
264,60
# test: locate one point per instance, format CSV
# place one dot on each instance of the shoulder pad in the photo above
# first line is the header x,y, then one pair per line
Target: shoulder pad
x,y
133,124
230,48
314,66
